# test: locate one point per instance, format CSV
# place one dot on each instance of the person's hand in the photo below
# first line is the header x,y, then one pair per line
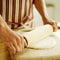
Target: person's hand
x,y
52,23
15,42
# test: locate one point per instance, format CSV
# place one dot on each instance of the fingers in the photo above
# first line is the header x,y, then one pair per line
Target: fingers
x,y
21,39
15,44
54,25
18,39
24,42
11,47
18,43
13,41
17,47
14,48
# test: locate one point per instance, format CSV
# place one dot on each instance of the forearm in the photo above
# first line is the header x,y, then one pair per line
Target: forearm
x,y
40,5
3,26
2,22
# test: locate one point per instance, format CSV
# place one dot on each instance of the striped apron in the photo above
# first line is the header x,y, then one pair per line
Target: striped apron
x,y
16,12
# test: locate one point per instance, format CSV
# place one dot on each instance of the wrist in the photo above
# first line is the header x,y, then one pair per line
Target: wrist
x,y
44,19
3,24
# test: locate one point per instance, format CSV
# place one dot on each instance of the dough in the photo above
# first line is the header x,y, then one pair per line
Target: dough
x,y
40,37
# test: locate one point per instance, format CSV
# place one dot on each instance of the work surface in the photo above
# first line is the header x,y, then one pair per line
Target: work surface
x,y
34,54
43,54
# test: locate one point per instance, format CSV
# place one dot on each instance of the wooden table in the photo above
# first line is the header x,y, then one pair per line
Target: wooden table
x,y
32,54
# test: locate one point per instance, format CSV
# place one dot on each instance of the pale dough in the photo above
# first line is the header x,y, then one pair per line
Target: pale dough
x,y
40,37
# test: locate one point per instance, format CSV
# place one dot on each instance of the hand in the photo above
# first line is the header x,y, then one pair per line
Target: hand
x,y
52,23
15,42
